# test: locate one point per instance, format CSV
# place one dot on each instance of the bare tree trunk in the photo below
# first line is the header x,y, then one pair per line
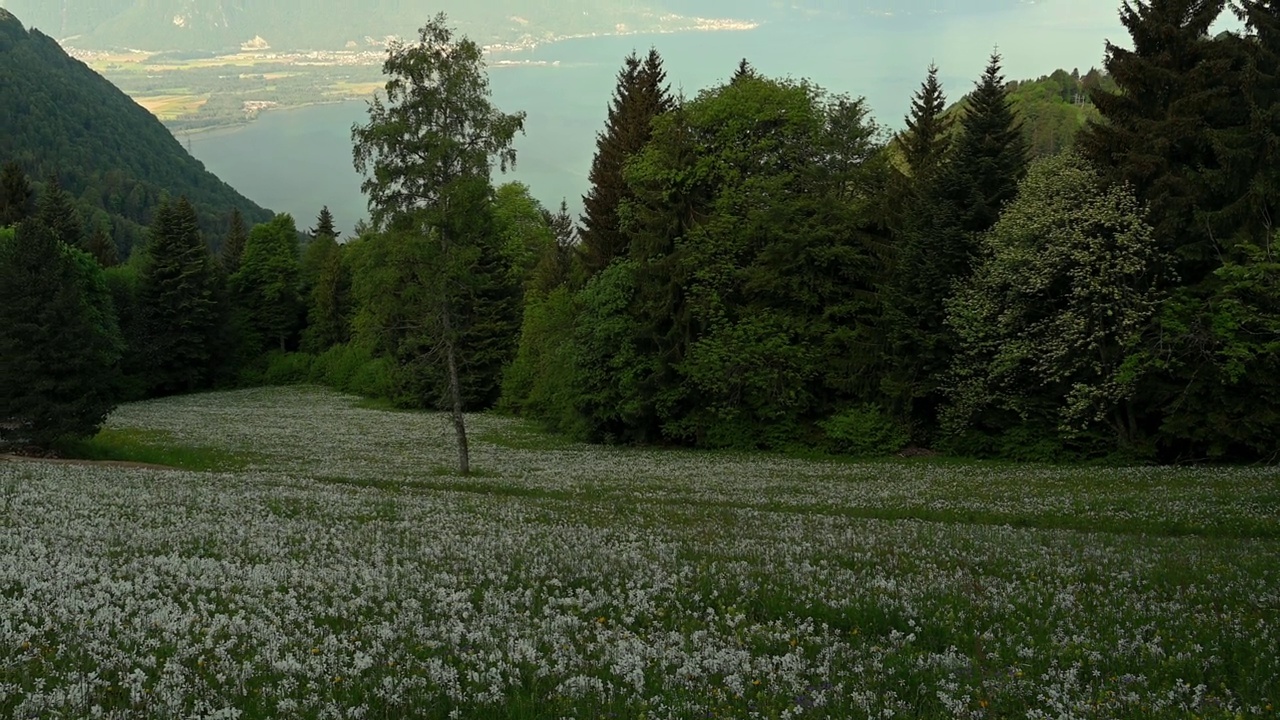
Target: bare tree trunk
x,y
455,386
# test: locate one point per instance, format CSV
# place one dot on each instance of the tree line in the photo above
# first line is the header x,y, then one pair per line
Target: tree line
x,y
762,266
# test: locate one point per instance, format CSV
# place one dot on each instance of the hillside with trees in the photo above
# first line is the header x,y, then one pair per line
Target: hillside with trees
x,y
761,267
61,121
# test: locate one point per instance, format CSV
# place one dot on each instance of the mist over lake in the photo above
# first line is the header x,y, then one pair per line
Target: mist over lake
x,y
297,160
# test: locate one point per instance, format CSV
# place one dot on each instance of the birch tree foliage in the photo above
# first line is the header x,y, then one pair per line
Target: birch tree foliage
x,y
427,153
1069,279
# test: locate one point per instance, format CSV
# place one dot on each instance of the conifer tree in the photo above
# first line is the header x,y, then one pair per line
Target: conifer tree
x,y
925,141
16,195
324,225
177,302
60,343
233,246
938,248
58,213
315,255
640,96
1155,131
990,160
744,71
102,246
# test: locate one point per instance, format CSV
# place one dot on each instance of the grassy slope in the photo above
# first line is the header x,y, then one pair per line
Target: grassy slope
x,y
342,565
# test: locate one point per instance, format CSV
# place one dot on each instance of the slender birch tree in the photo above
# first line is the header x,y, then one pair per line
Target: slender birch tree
x,y
427,152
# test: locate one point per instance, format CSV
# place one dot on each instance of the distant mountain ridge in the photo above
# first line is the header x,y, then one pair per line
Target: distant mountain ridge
x,y
313,24
165,25
58,117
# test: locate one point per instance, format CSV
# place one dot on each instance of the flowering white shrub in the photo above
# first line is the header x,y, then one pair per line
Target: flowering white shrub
x,y
346,574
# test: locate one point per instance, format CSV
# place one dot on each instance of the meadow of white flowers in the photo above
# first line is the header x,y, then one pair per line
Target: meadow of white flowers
x,y
345,573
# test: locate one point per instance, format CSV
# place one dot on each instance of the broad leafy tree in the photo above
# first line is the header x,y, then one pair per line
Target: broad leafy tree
x,y
1051,321
753,247
266,286
427,152
60,345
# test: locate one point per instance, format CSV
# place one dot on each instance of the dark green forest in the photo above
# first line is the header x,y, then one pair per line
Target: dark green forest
x,y
60,120
1074,268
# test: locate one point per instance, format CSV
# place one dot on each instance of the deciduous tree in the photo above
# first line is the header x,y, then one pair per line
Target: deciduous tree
x,y
427,152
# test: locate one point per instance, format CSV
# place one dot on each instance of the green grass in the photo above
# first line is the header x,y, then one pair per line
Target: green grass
x,y
152,447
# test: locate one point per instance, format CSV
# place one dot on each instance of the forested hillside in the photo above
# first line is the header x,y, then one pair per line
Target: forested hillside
x,y
313,24
1070,268
59,118
1052,109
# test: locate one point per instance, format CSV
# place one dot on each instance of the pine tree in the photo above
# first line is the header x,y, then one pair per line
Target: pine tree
x,y
315,255
1155,131
640,96
324,225
925,141
58,213
939,245
102,246
60,343
743,71
233,246
177,302
16,195
1241,189
990,160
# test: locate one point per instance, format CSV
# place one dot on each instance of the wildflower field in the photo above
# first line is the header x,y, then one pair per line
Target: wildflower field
x,y
322,561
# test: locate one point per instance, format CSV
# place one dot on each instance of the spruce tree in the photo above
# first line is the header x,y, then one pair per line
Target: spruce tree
x,y
939,245
990,160
324,225
16,195
743,71
925,141
233,246
640,96
177,299
58,213
102,246
60,343
1154,134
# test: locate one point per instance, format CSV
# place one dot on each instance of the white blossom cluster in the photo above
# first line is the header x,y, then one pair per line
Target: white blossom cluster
x,y
346,574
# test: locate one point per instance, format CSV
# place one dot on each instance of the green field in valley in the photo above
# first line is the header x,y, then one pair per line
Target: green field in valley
x,y
318,559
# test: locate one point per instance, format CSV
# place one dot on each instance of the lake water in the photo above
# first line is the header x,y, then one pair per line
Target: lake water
x,y
297,160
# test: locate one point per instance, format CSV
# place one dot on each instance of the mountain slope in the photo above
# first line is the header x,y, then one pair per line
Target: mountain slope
x,y
312,24
58,116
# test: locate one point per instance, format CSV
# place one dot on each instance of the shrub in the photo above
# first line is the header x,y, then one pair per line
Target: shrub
x,y
864,431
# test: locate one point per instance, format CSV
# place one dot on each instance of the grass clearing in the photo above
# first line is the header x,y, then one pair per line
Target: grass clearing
x,y
152,447
341,570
